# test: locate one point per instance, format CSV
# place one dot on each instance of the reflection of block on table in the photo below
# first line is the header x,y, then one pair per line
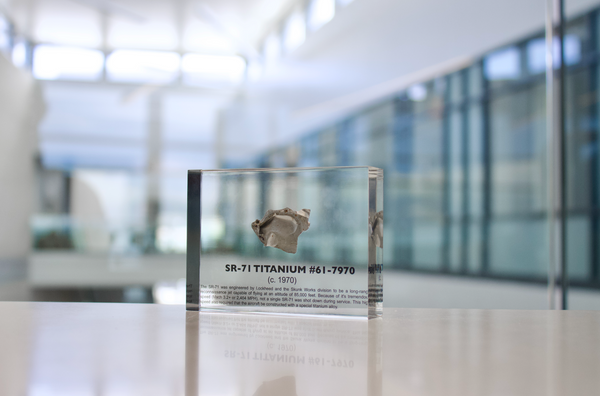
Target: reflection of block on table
x,y
285,356
293,240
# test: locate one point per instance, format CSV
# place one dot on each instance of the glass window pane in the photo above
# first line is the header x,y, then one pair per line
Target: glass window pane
x,y
518,151
578,249
519,248
581,135
582,106
427,243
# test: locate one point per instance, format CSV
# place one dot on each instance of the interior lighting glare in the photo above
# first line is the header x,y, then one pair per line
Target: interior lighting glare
x,y
320,12
536,53
213,67
169,292
4,42
572,49
4,35
272,48
52,62
417,92
142,66
4,25
294,33
19,54
504,64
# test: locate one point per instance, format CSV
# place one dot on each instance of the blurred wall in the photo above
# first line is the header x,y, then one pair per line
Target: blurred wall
x,y
21,108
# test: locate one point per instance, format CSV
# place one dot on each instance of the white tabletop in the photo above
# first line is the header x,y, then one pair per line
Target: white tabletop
x,y
125,349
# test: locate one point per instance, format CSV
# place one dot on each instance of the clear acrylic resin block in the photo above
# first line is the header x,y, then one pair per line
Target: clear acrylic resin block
x,y
288,241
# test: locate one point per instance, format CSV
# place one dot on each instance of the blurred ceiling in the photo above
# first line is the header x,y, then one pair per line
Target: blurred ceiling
x,y
209,26
371,48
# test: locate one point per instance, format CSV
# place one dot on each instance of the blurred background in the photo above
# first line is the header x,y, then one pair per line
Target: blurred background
x,y
105,105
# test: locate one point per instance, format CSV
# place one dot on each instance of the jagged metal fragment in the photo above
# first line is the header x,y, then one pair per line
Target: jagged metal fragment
x,y
281,228
376,228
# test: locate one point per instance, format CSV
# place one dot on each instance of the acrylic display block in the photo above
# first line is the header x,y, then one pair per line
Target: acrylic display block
x,y
287,241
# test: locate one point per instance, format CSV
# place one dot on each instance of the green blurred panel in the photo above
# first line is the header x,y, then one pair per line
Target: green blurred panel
x,y
519,248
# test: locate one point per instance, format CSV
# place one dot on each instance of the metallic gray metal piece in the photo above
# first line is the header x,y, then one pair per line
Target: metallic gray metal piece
x,y
281,228
376,228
